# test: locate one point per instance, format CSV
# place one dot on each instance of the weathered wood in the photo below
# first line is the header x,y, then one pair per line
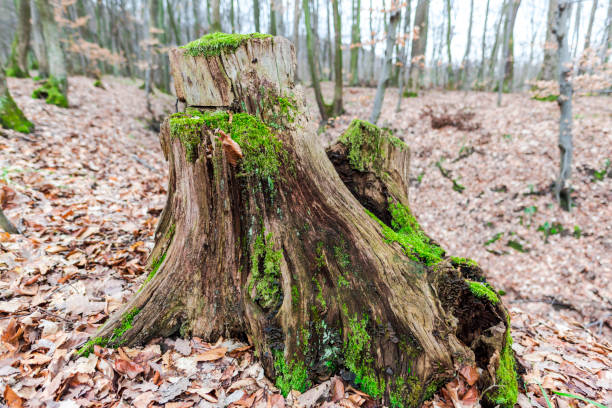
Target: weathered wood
x,y
324,269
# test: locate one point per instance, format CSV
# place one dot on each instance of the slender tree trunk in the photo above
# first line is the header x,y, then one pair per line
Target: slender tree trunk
x,y
272,17
18,61
449,35
216,16
197,27
149,15
386,72
419,44
373,44
232,16
403,56
550,64
560,32
355,41
505,53
11,117
587,38
464,73
58,75
509,57
175,28
495,50
298,251
324,110
38,43
576,30
481,72
337,104
607,44
297,15
328,43
256,15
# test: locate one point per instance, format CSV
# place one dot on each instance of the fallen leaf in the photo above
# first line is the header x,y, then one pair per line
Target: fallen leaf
x,y
211,355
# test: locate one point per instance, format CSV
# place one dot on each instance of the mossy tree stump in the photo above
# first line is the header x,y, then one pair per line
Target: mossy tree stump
x,y
321,266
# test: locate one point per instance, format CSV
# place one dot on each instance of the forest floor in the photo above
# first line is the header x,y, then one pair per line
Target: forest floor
x,y
87,187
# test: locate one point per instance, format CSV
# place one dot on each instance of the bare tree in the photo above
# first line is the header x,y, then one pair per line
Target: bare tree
x,y
256,15
505,53
560,32
272,29
464,72
337,104
18,61
449,36
419,44
216,16
394,17
577,29
587,38
402,57
484,44
549,64
509,55
355,40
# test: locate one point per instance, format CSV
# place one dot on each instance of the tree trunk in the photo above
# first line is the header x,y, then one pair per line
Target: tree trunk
x,y
355,41
216,16
502,63
587,38
509,54
607,43
55,89
297,15
38,43
373,44
11,117
386,72
402,57
576,30
262,239
272,17
464,73
419,44
337,103
549,72
481,72
324,109
449,35
256,15
560,32
18,61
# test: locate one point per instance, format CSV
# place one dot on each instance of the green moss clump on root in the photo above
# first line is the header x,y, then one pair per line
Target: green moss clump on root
x,y
290,375
11,117
51,92
115,339
364,142
483,290
406,231
217,43
506,393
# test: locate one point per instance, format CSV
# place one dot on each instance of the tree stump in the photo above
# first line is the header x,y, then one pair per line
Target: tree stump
x,y
316,261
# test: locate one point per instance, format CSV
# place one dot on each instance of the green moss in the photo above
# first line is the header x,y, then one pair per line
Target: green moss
x,y
295,297
342,282
98,84
51,92
320,256
405,392
115,338
263,152
11,117
548,98
358,358
12,69
265,272
408,233
217,43
507,392
320,297
483,291
458,261
342,257
364,142
410,94
290,375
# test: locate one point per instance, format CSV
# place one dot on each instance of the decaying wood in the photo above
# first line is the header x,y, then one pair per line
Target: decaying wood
x,y
348,296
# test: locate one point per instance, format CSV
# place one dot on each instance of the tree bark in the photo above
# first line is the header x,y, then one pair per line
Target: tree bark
x,y
464,72
587,38
505,53
324,109
38,42
337,103
216,16
560,32
449,35
273,243
386,72
18,62
272,17
355,41
481,72
509,53
402,57
11,117
419,44
256,15
549,72
55,89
